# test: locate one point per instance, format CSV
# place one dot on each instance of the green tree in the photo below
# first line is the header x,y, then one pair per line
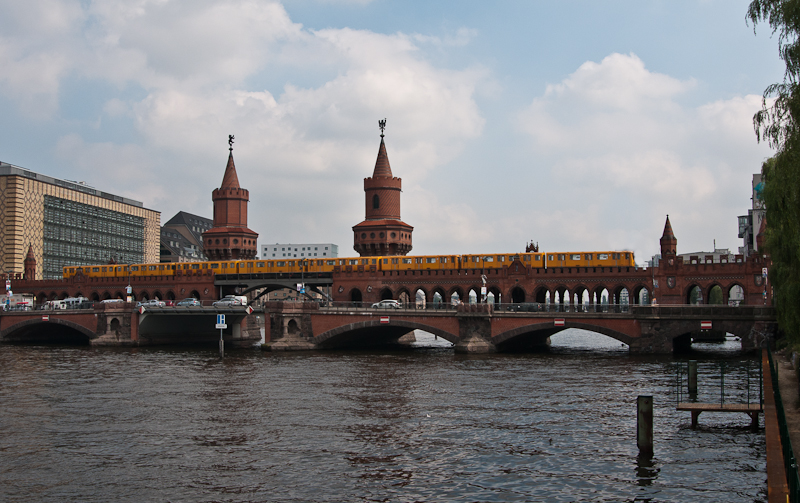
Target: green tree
x,y
777,123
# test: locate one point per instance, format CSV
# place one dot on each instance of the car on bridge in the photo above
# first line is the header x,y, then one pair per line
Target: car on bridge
x,y
150,303
387,304
191,301
230,300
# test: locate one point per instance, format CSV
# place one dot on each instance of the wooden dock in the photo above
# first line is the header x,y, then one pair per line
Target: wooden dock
x,y
752,409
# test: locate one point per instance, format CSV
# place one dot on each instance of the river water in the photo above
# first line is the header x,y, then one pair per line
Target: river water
x,y
177,424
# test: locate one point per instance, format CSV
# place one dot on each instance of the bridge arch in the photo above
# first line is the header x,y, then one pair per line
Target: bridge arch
x,y
736,294
386,294
55,330
355,296
540,294
693,294
517,295
455,296
546,329
373,331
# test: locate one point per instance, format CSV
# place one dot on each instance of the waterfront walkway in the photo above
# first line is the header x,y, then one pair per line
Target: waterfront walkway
x,y
790,394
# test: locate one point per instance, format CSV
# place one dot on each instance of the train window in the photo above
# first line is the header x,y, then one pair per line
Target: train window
x,y
224,265
444,260
104,269
488,259
152,267
172,267
602,256
352,262
501,258
365,261
95,269
214,266
195,266
134,268
627,255
406,260
526,258
386,261
270,264
259,264
119,269
562,256
430,260
331,262
233,265
549,257
575,256
161,268
281,264
374,261
394,261
205,266
588,256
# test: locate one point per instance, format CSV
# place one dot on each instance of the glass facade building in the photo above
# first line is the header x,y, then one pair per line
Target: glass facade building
x,y
68,223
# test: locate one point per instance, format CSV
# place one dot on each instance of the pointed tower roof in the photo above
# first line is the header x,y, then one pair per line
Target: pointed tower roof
x,y
382,168
30,255
230,180
668,230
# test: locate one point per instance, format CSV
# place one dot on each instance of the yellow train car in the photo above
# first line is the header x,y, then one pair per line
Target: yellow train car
x,y
591,259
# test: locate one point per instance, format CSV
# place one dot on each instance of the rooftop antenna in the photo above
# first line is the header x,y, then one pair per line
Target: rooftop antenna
x,y
382,126
230,142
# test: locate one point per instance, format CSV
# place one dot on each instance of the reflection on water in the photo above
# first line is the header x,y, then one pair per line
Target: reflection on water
x,y
176,424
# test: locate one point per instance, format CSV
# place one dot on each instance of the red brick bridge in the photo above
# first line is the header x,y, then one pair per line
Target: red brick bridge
x,y
479,328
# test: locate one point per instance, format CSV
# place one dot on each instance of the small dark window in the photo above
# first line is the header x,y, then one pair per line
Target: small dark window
x,y
381,234
372,235
376,202
394,235
363,235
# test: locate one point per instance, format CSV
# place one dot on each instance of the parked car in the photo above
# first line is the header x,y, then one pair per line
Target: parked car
x,y
150,303
387,304
191,301
230,300
113,301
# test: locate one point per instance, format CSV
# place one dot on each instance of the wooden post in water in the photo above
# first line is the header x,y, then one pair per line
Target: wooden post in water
x,y
692,377
221,345
644,425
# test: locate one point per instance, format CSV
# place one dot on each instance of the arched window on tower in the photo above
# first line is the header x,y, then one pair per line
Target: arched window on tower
x,y
376,202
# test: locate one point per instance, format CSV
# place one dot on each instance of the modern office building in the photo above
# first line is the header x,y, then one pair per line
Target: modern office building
x,y
182,238
302,250
70,223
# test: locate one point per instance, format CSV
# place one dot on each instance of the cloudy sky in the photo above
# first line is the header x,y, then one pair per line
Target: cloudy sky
x,y
576,124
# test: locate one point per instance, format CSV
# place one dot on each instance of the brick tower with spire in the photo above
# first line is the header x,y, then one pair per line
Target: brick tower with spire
x,y
30,264
229,238
669,243
382,232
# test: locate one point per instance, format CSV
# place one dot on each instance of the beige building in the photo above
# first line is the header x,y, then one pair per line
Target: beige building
x,y
69,223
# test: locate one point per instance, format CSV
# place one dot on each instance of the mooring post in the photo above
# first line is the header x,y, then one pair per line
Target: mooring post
x,y
644,425
692,377
221,345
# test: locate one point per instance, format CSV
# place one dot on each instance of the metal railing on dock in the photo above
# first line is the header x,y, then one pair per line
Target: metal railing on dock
x,y
719,387
789,460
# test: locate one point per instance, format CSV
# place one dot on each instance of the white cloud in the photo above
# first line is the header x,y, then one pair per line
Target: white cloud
x,y
620,144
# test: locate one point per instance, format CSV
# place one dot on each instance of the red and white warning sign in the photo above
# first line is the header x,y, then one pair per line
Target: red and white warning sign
x,y
384,319
558,322
705,325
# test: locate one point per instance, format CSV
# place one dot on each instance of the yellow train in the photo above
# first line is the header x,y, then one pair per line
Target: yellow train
x,y
535,260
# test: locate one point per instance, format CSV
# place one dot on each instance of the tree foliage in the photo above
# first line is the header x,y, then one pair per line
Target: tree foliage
x,y
777,123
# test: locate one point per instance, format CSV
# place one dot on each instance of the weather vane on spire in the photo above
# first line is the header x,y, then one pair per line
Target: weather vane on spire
x,y
230,142
382,126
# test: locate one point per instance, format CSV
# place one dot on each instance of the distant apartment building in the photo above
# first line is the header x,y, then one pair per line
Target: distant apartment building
x,y
291,250
750,224
181,238
70,223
